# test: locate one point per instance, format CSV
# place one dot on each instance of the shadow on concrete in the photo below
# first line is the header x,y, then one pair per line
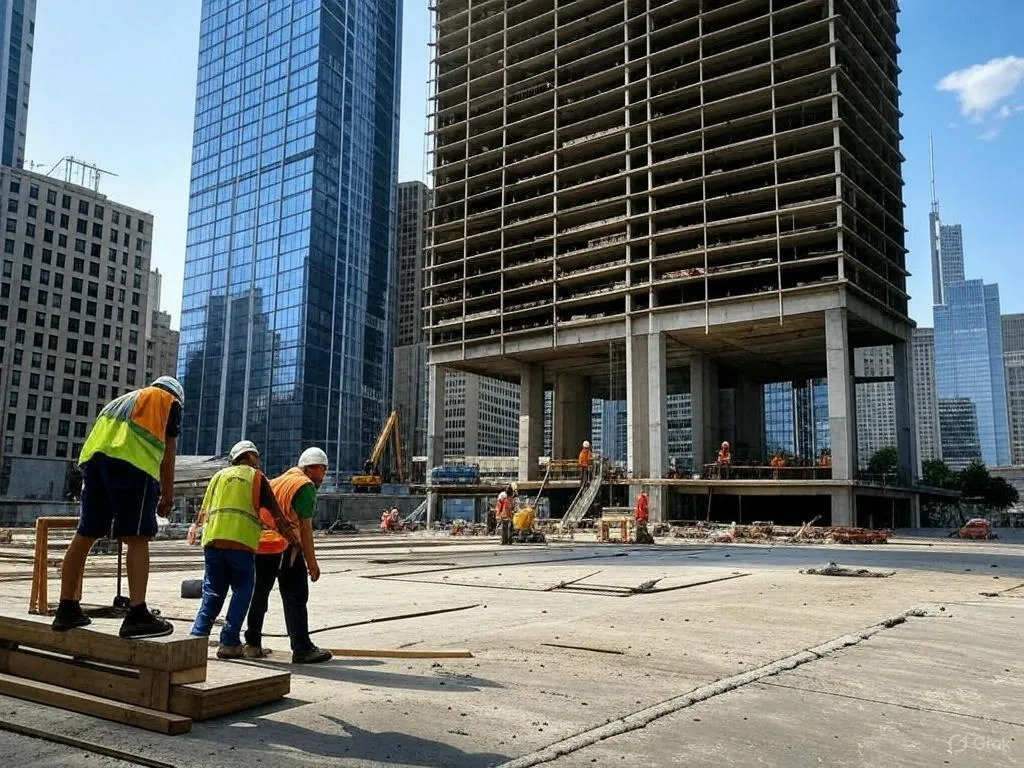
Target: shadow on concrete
x,y
279,741
348,671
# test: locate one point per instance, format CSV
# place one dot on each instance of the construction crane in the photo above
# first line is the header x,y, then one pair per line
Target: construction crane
x,y
370,480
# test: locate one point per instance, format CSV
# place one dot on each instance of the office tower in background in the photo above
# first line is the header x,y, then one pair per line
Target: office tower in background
x,y
926,407
287,321
17,33
1013,362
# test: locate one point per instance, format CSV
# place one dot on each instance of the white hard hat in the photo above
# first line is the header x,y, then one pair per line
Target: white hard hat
x,y
172,385
586,443
241,448
312,457
502,496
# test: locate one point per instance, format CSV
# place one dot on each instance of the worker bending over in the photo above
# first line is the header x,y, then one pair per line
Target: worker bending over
x,y
584,463
295,492
128,480
503,514
231,535
641,514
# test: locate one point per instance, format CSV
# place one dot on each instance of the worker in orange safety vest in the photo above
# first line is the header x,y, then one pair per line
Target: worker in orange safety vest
x,y
503,514
583,461
640,517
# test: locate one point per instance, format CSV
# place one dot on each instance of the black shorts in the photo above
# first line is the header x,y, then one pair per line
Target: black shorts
x,y
116,491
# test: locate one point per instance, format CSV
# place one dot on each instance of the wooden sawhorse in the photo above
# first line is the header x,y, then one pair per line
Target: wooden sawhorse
x,y
38,602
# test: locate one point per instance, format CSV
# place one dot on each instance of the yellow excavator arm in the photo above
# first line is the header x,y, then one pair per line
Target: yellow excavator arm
x,y
392,432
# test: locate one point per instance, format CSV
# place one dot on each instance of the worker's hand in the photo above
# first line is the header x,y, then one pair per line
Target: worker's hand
x,y
314,571
164,506
192,531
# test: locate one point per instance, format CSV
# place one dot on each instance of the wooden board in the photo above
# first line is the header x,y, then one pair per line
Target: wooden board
x,y
87,704
101,643
402,653
229,687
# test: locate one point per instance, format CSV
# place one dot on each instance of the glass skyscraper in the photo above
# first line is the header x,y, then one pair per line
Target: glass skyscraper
x,y
287,312
17,31
968,358
796,418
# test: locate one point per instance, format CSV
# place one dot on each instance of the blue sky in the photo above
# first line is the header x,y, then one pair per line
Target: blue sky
x,y
113,83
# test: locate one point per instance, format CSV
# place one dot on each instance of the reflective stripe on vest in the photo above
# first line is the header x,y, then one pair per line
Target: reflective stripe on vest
x,y
132,428
284,487
231,505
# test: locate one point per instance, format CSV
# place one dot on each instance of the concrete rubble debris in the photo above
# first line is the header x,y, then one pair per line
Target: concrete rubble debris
x,y
836,570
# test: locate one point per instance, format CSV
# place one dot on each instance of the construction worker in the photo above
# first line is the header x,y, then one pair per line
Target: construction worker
x,y
640,516
503,514
724,460
231,535
777,463
295,492
128,480
584,463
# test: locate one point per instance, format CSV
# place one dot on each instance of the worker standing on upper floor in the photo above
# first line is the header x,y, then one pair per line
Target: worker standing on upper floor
x,y
128,479
231,535
295,492
503,514
724,461
584,462
641,514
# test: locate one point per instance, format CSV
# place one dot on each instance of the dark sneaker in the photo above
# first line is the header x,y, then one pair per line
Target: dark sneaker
x,y
312,656
142,624
69,615
229,651
256,652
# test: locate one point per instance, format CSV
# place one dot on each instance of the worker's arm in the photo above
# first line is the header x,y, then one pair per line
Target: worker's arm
x,y
201,517
304,505
167,478
269,502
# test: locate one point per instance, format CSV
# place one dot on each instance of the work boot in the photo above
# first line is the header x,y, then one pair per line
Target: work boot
x,y
312,656
229,651
69,615
256,652
141,623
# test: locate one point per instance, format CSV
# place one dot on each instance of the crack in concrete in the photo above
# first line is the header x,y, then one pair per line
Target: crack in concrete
x,y
644,717
913,707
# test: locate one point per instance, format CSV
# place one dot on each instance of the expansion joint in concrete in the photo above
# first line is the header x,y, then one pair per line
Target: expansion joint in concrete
x,y
644,717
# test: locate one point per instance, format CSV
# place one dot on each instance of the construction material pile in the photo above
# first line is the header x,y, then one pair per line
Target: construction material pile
x,y
768,532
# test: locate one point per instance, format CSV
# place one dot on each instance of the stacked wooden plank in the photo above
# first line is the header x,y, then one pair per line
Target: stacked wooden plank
x,y
161,684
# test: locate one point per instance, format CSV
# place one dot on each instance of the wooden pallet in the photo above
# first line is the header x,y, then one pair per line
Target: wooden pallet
x,y
160,684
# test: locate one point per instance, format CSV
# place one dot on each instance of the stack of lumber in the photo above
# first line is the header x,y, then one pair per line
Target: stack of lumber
x,y
161,685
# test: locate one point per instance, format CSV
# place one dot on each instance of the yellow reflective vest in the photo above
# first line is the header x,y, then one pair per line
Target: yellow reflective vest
x,y
132,428
232,505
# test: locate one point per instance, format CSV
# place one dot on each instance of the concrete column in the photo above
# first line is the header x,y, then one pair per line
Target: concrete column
x,y
842,400
570,415
657,404
750,418
435,416
906,432
844,506
657,497
431,509
704,399
531,421
637,415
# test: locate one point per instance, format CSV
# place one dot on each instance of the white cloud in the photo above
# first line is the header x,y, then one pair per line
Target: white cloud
x,y
990,134
1009,110
982,87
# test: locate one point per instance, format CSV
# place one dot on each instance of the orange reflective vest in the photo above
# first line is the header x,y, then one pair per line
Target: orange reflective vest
x,y
640,513
284,487
584,458
504,509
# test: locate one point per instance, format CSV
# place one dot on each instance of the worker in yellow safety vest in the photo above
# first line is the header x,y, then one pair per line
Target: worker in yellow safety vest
x,y
295,491
231,535
127,481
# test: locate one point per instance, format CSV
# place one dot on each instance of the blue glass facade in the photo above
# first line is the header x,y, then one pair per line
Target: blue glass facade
x,y
287,312
17,27
796,418
969,365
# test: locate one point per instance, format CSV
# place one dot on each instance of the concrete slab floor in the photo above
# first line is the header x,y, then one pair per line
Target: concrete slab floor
x,y
519,695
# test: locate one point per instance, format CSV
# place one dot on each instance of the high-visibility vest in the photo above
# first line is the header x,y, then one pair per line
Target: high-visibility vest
x,y
284,487
232,503
640,513
132,428
503,511
584,458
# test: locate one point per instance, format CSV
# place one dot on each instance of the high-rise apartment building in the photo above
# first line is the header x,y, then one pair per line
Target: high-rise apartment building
x,y
17,35
409,388
73,309
287,319
926,407
1013,360
481,416
876,401
958,428
161,341
713,185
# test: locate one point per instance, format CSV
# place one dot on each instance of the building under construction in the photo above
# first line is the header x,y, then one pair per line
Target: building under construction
x,y
711,187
